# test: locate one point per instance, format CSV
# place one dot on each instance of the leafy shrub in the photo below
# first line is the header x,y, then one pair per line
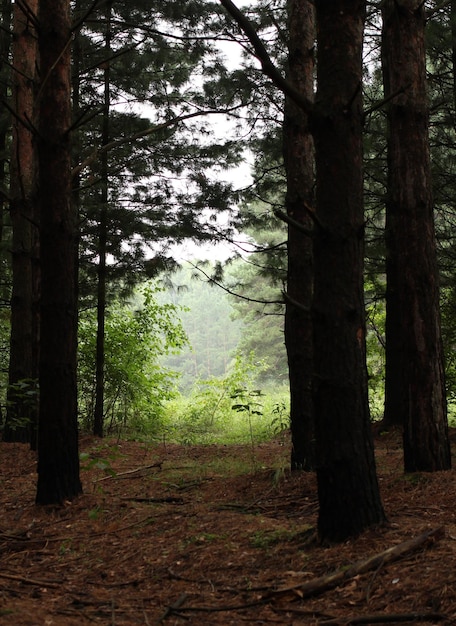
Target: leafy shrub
x,y
136,386
211,413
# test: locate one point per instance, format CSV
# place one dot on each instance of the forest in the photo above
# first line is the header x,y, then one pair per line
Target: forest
x,y
303,151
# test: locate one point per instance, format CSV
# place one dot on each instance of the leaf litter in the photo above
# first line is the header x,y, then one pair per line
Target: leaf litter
x,y
169,534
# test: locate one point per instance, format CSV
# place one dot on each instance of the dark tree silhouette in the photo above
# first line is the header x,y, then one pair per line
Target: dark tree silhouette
x,y
347,482
58,460
300,171
22,401
415,378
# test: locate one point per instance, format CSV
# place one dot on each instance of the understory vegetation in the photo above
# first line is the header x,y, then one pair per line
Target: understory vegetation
x,y
176,371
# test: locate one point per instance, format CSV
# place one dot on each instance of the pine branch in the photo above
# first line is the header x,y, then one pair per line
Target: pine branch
x,y
24,7
381,103
26,123
294,223
262,55
233,293
96,4
442,5
53,66
116,143
114,55
298,305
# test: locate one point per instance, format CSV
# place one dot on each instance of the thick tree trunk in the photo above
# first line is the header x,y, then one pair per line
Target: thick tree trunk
x,y
22,398
299,164
58,461
5,45
415,380
347,483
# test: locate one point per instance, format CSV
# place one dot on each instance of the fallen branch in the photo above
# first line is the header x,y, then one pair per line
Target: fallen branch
x,y
218,609
128,474
323,583
31,581
167,500
393,618
173,607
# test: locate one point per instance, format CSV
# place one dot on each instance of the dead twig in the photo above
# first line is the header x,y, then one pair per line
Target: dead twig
x,y
129,473
31,581
394,618
173,607
168,500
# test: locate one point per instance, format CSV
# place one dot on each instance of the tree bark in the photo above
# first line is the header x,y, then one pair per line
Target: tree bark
x,y
453,48
415,393
299,165
347,483
22,389
98,417
58,460
5,46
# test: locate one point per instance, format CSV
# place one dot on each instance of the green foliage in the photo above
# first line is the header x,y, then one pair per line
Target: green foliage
x,y
375,345
209,415
165,165
281,417
24,397
89,462
136,386
262,315
267,538
213,335
448,299
245,401
4,357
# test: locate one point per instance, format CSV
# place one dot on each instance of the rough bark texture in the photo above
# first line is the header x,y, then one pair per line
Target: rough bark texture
x,y
415,380
98,418
453,47
22,405
299,164
5,45
58,461
347,483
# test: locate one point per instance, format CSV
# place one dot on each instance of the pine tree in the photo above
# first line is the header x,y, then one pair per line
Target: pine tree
x,y
127,196
299,163
415,379
23,366
58,460
348,488
347,483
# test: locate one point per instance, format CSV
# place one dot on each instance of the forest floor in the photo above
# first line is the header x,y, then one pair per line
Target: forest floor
x,y
168,534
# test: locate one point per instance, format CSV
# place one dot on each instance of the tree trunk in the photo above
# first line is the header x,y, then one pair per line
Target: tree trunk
x,y
76,69
299,164
98,417
5,44
415,380
58,460
347,483
22,389
453,49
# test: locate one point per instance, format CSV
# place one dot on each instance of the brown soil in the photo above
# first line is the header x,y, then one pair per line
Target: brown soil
x,y
216,535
